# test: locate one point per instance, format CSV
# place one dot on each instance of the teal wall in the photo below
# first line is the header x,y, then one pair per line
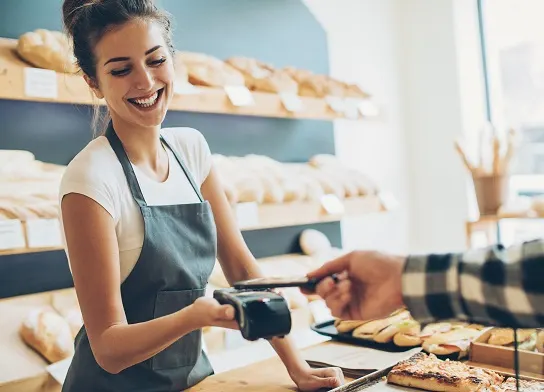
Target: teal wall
x,y
282,32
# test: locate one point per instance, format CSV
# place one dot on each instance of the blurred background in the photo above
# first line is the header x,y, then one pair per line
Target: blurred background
x,y
384,91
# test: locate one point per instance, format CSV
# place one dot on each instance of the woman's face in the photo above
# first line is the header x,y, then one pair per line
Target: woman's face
x,y
135,73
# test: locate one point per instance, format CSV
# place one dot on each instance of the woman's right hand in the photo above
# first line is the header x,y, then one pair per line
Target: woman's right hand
x,y
208,312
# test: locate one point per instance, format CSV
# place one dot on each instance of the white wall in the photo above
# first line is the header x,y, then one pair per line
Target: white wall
x,y
419,59
362,46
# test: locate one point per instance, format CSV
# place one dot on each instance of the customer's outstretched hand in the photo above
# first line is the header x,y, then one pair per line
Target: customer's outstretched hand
x,y
370,285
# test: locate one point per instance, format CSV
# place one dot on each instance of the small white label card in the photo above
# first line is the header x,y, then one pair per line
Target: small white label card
x,y
332,204
389,201
43,233
12,235
59,370
247,214
40,83
291,102
352,108
336,103
185,88
368,108
240,95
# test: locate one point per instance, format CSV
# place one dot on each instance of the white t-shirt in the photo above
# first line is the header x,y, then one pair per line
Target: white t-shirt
x,y
97,173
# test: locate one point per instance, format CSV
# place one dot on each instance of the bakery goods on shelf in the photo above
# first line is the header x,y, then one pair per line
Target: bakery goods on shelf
x,y
28,187
206,70
260,179
260,76
322,86
429,373
47,49
48,333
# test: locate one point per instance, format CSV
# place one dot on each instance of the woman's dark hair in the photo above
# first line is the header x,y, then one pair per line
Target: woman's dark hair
x,y
86,21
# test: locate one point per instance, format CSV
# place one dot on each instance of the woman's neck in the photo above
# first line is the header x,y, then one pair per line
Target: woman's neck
x,y
143,147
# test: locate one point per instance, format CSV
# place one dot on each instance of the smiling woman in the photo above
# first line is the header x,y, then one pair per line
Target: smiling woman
x,y
144,218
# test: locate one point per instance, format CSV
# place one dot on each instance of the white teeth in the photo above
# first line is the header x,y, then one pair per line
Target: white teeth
x,y
148,101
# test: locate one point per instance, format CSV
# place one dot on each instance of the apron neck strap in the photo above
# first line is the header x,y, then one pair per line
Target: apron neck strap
x,y
135,189
185,170
117,147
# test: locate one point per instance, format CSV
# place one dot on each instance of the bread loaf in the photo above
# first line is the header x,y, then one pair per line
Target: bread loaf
x,y
260,76
48,333
205,70
47,49
314,85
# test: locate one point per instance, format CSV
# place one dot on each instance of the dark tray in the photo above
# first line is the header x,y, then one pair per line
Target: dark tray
x,y
327,328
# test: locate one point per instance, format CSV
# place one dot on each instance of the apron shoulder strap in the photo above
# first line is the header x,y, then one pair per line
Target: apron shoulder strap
x,y
117,147
185,170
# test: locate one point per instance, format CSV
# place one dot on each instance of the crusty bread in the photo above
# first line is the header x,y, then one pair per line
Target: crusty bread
x,y
47,49
205,70
505,336
48,333
260,76
406,340
370,329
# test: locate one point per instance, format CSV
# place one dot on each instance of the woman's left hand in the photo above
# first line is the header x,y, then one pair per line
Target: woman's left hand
x,y
309,379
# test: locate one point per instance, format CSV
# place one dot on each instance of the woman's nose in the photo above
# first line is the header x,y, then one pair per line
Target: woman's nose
x,y
143,79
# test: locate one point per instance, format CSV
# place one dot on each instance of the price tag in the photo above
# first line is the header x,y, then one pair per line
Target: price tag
x,y
40,83
388,200
336,103
185,88
291,102
368,108
43,233
240,95
59,370
12,235
332,204
352,108
247,214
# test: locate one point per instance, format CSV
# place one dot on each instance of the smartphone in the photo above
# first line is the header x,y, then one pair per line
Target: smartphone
x,y
277,282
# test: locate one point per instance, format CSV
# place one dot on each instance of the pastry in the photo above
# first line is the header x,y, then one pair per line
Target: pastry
x,y
48,333
372,329
454,341
47,49
313,242
527,338
205,70
260,76
345,326
429,373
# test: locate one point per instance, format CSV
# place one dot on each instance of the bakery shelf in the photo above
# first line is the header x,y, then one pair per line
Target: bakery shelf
x,y
302,213
275,215
72,89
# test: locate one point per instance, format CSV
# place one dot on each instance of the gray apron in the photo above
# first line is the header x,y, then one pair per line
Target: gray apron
x,y
177,258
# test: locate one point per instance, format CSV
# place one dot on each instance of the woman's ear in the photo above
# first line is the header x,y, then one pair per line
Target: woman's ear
x,y
94,86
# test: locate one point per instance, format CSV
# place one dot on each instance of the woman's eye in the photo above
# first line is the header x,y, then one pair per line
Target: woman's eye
x,y
120,72
158,62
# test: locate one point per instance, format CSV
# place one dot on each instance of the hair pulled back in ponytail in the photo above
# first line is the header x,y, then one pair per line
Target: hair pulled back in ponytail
x,y
86,21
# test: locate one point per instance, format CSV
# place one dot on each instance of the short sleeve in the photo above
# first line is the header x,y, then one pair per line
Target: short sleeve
x,y
87,178
205,157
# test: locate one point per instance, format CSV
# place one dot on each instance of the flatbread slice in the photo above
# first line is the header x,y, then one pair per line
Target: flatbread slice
x,y
429,373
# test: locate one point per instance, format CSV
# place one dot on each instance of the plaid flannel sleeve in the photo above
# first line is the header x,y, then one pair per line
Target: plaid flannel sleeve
x,y
492,286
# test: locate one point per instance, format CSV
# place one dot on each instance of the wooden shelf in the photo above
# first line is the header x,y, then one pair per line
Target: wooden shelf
x,y
276,215
72,89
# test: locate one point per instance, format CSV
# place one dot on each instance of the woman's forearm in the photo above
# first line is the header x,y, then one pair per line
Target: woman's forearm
x,y
121,346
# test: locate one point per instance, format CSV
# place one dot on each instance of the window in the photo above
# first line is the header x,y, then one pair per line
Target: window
x,y
513,45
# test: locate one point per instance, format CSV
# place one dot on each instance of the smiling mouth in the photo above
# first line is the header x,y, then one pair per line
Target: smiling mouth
x,y
147,102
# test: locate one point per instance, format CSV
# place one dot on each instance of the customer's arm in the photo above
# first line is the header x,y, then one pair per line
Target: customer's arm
x,y
496,286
